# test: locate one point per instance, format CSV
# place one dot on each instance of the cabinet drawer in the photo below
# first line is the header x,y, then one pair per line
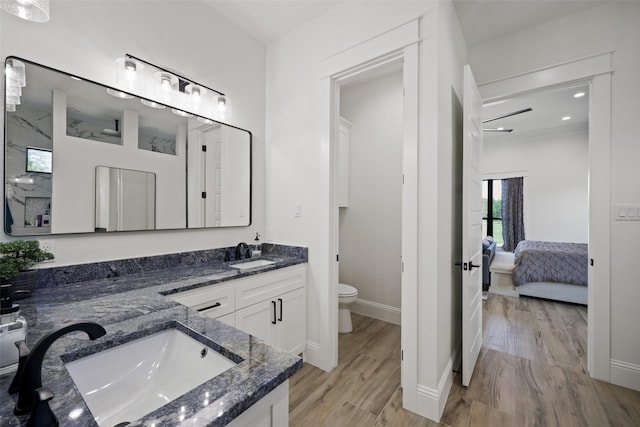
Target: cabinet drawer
x,y
260,287
213,301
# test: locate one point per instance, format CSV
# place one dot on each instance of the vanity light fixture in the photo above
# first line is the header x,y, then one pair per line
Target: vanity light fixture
x,y
181,113
152,104
119,94
15,80
31,10
205,121
130,65
173,89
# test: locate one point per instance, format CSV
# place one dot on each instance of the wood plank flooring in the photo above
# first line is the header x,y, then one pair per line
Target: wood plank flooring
x,y
532,371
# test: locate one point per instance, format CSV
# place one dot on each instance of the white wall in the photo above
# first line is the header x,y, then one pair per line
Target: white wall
x,y
85,38
555,169
371,226
613,26
298,167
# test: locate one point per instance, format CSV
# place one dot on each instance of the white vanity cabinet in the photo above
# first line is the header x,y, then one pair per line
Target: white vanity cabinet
x,y
273,307
270,305
216,301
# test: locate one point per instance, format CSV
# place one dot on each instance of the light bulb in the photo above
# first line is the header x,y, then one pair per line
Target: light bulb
x,y
165,82
129,65
222,103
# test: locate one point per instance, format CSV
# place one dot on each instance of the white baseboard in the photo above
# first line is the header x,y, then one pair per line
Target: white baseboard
x,y
504,291
376,310
313,356
625,374
431,402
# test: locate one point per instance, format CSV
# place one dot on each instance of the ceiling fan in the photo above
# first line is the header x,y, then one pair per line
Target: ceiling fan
x,y
525,110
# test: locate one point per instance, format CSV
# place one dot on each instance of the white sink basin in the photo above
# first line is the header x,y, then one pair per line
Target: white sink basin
x,y
131,380
252,264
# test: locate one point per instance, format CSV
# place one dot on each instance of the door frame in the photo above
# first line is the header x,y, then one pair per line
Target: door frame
x,y
398,43
595,70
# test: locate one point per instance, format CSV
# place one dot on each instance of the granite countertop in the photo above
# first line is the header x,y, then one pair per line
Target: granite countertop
x,y
131,306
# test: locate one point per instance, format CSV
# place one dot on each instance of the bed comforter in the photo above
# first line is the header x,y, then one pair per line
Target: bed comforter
x,y
563,262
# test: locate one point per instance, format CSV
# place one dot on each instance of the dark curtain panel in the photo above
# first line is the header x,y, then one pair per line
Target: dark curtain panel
x,y
512,213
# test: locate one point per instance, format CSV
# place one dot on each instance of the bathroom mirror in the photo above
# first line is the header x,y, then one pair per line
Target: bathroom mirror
x,y
60,129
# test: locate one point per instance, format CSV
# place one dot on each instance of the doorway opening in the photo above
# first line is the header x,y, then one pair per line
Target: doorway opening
x,y
369,196
595,72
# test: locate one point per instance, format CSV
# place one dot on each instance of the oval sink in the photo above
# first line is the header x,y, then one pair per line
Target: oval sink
x,y
124,383
252,264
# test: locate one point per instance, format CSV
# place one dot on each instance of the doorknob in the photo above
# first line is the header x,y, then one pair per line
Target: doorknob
x,y
472,266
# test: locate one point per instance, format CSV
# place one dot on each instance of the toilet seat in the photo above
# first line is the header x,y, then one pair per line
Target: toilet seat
x,y
345,291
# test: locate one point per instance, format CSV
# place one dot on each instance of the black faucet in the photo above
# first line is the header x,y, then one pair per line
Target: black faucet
x,y
242,245
31,378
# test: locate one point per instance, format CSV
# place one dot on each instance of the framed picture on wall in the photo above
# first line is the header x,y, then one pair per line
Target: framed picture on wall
x,y
38,160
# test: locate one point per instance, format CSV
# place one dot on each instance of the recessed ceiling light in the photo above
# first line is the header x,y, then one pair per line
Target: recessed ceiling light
x,y
578,95
566,118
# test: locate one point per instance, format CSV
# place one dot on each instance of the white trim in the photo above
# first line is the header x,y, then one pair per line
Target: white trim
x,y
569,71
597,69
362,53
400,42
312,354
376,310
505,175
431,401
549,67
625,374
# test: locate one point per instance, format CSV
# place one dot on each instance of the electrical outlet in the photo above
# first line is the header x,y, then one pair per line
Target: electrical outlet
x,y
49,246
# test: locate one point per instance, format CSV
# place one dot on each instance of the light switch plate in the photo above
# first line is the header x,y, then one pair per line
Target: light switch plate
x,y
626,212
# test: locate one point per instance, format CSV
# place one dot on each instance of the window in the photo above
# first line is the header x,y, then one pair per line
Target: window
x,y
492,209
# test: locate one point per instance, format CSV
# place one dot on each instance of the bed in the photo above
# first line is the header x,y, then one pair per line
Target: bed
x,y
552,270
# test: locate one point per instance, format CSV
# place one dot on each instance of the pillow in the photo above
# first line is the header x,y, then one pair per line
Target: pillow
x,y
486,242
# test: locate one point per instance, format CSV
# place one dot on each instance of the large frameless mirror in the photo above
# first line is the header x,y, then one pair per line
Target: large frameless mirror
x,y
68,140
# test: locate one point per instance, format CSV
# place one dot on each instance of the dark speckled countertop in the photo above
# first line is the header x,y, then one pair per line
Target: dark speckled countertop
x,y
131,306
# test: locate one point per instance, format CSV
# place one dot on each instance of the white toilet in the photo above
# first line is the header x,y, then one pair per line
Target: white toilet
x,y
346,295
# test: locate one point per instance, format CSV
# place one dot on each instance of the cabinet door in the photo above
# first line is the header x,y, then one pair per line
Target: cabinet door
x,y
291,333
258,319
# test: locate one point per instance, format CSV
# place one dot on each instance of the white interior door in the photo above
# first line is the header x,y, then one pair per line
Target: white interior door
x,y
472,227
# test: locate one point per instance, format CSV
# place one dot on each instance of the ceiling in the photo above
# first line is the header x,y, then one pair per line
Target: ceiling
x,y
484,20
549,107
481,20
267,20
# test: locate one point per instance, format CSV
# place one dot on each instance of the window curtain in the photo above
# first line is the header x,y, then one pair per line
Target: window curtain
x,y
512,212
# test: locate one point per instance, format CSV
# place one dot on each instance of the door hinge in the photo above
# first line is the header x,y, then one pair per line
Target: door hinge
x,y
402,267
338,258
204,194
591,262
402,355
204,148
402,179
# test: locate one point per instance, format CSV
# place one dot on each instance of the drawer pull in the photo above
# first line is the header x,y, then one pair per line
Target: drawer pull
x,y
274,312
210,307
280,301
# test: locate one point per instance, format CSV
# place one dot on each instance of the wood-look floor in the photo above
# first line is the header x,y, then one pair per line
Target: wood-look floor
x,y
531,372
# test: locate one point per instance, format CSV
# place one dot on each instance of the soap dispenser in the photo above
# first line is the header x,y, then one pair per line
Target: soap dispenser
x,y
256,252
13,328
